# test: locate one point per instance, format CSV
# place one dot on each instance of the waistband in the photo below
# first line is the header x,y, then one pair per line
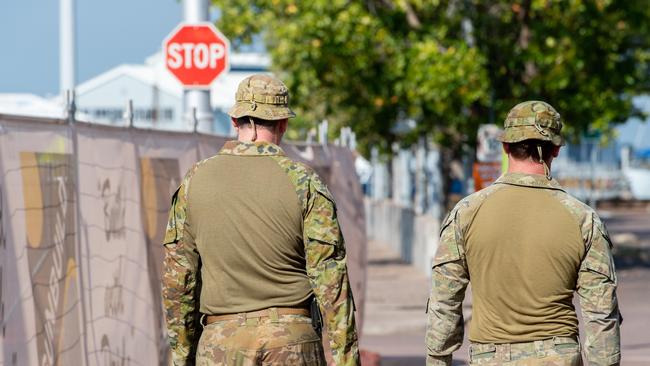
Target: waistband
x,y
513,351
270,313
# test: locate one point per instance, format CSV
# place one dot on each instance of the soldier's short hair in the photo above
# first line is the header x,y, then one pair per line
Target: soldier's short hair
x,y
526,149
259,122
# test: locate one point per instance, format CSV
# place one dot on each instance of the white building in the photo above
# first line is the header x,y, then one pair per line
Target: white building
x,y
24,104
158,96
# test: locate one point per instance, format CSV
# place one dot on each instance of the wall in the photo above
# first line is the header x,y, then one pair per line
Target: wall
x,y
413,236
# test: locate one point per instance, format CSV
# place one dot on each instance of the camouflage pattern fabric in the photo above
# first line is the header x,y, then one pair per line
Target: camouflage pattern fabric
x,y
262,96
324,251
559,351
533,120
181,284
596,283
326,260
285,340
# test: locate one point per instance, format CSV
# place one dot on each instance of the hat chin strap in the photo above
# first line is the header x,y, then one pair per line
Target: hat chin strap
x,y
547,171
250,119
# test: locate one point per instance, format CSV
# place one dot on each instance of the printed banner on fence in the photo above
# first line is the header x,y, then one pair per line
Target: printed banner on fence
x,y
40,295
121,323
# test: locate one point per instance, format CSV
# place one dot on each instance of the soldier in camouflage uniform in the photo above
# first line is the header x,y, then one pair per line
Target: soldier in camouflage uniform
x,y
252,237
526,245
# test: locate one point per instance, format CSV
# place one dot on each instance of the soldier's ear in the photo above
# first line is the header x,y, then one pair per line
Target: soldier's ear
x,y
556,151
282,125
506,148
234,122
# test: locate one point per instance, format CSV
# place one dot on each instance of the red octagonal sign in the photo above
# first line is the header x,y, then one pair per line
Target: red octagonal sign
x,y
196,54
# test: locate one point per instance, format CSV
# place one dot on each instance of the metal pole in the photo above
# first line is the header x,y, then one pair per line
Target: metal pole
x,y
66,46
420,177
70,106
194,12
592,194
322,132
128,114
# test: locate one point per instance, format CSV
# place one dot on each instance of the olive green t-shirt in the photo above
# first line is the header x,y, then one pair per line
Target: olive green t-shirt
x,y
247,222
523,252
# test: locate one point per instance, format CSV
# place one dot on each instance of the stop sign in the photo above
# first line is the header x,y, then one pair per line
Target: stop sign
x,y
196,54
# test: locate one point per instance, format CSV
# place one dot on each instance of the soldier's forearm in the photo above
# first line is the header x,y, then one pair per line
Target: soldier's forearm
x,y
347,355
601,316
332,289
341,327
181,332
342,335
445,326
603,339
179,300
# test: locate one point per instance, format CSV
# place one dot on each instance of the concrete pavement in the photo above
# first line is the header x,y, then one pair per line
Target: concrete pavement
x,y
395,318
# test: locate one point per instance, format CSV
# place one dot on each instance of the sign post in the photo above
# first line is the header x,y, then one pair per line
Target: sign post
x,y
488,166
196,53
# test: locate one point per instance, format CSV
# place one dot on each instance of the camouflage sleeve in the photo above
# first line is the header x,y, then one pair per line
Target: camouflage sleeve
x,y
180,275
445,326
596,288
328,275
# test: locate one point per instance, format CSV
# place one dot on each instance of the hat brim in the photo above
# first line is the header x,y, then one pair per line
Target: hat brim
x,y
263,111
522,133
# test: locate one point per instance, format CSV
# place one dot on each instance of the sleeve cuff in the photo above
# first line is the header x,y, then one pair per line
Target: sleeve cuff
x,y
605,361
438,360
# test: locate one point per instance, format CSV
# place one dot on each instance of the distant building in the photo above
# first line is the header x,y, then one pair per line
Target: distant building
x,y
24,104
157,96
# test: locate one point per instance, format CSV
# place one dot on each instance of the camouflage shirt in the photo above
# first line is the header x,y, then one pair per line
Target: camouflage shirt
x,y
595,278
324,250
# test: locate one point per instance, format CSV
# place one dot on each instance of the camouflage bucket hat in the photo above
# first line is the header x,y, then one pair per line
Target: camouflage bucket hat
x,y
262,96
533,120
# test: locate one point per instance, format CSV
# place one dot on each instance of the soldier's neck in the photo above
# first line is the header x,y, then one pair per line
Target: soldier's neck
x,y
246,135
526,166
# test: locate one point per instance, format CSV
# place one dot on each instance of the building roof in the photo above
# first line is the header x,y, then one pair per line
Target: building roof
x,y
25,104
29,104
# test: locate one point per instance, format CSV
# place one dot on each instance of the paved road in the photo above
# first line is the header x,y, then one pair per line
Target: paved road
x,y
395,321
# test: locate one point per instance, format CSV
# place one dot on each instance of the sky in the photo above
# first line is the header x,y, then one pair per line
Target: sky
x,y
109,33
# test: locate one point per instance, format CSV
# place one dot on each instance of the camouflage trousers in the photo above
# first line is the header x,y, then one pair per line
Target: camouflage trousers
x,y
557,351
275,340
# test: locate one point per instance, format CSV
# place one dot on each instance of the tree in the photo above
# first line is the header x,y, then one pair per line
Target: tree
x,y
361,64
588,58
449,65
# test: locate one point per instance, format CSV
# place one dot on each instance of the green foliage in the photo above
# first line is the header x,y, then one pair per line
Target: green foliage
x,y
449,65
587,58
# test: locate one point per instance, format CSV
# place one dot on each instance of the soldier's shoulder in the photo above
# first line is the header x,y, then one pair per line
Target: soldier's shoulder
x,y
295,166
305,179
474,201
194,169
586,217
578,209
202,163
467,207
299,172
